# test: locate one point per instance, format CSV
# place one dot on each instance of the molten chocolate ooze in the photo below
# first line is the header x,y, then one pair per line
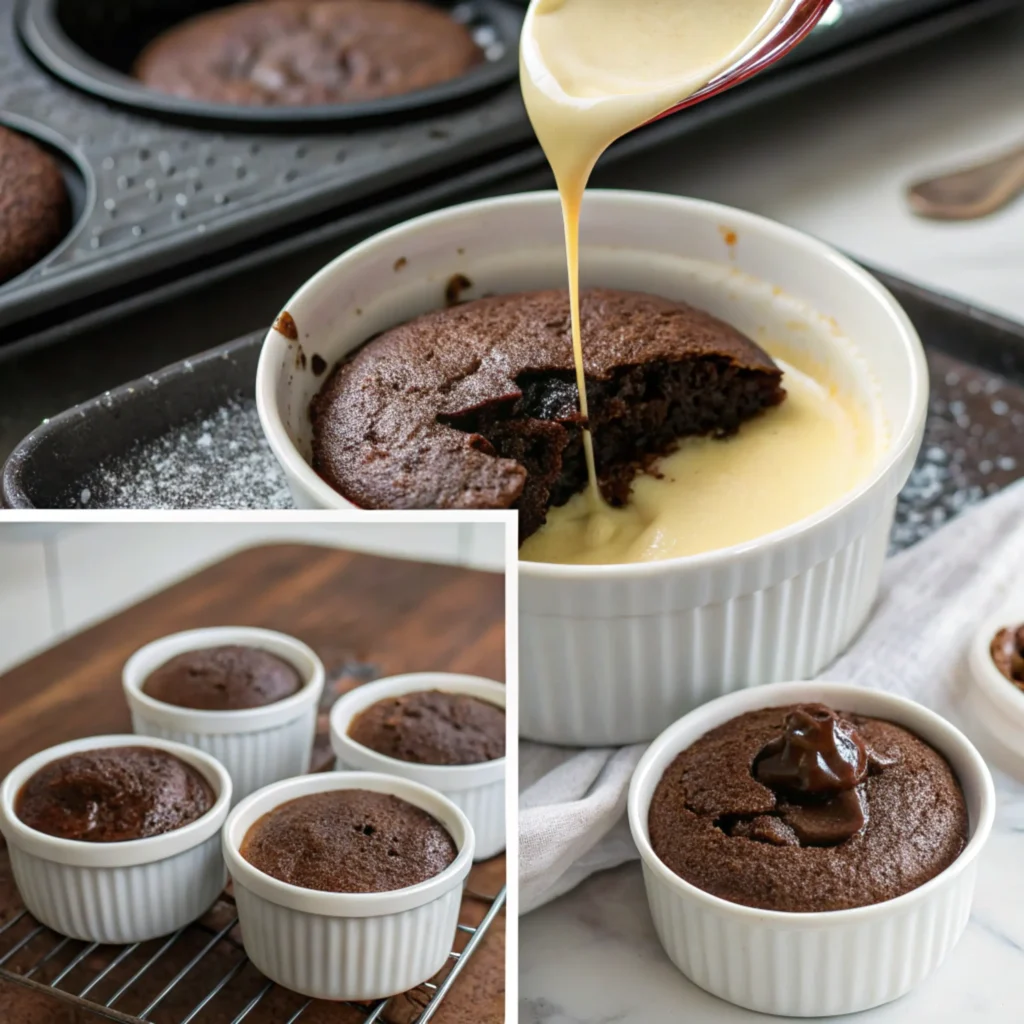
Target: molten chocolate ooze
x,y
816,769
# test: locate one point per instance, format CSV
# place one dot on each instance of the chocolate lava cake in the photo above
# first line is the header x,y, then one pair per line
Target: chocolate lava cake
x,y
476,406
308,52
805,809
228,678
349,840
432,727
114,794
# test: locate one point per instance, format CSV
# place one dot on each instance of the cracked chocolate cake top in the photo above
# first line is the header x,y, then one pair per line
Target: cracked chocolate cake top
x,y
476,406
807,809
432,727
308,52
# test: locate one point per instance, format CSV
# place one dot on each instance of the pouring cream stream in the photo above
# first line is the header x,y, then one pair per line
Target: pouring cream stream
x,y
593,70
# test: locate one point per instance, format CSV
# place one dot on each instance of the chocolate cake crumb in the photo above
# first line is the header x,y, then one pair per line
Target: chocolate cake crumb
x,y
477,407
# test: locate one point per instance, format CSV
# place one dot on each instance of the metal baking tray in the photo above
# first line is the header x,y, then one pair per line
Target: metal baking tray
x,y
188,436
168,200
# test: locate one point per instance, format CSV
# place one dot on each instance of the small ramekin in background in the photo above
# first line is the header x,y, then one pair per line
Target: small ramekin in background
x,y
997,706
608,654
256,745
477,789
815,964
347,946
118,892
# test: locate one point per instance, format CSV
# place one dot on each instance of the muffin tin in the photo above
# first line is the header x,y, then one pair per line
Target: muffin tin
x,y
171,196
159,190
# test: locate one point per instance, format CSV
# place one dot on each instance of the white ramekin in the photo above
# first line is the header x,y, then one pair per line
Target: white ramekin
x,y
995,703
118,892
477,789
256,745
818,964
608,654
347,946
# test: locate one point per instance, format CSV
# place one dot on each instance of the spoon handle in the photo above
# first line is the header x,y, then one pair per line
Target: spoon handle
x,y
970,193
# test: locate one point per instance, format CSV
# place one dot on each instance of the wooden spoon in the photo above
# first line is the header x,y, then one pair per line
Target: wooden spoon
x,y
971,193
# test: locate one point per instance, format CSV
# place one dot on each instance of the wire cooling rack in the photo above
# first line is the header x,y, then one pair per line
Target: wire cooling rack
x,y
200,973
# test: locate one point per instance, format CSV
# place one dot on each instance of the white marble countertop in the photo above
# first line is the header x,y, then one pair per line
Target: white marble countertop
x,y
835,164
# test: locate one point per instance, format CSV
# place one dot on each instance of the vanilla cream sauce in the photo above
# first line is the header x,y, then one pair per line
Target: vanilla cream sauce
x,y
591,71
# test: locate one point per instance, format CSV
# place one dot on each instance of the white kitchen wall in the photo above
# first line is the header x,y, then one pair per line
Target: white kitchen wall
x,y
58,578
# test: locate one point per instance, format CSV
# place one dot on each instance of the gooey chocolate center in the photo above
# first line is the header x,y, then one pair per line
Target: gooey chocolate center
x,y
815,768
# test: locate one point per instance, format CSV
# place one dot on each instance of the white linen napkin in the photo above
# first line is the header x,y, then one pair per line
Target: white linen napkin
x,y
572,802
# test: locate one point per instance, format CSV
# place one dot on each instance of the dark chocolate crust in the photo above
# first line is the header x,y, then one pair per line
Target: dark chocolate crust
x,y
714,824
228,678
308,52
114,794
349,840
477,406
35,211
432,727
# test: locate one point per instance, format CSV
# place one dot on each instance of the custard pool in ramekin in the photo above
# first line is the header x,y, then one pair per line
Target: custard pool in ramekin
x,y
609,653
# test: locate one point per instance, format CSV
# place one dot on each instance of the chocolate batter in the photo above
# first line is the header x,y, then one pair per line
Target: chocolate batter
x,y
308,52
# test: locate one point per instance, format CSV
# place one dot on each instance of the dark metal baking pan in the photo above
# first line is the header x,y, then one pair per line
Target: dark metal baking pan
x,y
188,436
161,194
93,45
172,206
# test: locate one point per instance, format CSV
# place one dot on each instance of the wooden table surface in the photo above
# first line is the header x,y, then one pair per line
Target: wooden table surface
x,y
360,613
366,617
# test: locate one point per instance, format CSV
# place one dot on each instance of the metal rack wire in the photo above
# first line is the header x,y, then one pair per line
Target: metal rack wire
x,y
98,978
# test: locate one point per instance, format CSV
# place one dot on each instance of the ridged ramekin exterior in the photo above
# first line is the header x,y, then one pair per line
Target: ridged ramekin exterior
x,y
610,661
816,972
348,957
121,905
478,790
485,808
347,946
821,963
258,745
253,759
119,892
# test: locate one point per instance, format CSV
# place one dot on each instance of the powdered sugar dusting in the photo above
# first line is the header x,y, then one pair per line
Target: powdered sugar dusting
x,y
974,446
218,462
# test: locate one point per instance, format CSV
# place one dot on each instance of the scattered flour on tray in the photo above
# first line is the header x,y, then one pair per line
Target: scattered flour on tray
x,y
220,462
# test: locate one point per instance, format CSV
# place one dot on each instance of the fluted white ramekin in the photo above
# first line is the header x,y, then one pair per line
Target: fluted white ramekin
x,y
477,789
118,892
816,964
256,745
608,654
996,704
347,946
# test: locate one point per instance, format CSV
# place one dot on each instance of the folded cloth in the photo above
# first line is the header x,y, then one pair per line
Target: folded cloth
x,y
572,803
